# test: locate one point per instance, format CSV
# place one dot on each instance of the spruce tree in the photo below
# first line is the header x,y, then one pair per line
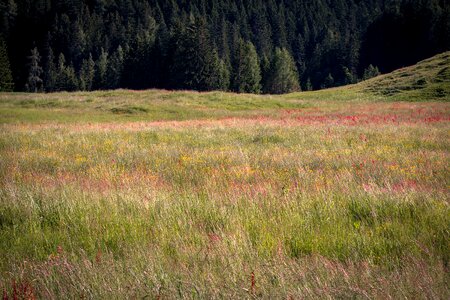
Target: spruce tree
x,y
219,78
66,77
283,76
60,73
34,82
247,72
371,72
328,82
114,70
308,85
50,74
101,70
6,81
87,74
71,80
349,77
195,62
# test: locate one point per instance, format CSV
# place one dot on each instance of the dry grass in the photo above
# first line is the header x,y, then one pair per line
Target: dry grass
x,y
280,197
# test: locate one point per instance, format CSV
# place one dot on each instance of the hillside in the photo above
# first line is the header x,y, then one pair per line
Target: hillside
x,y
425,81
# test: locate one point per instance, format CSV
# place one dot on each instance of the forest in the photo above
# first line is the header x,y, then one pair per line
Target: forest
x,y
254,46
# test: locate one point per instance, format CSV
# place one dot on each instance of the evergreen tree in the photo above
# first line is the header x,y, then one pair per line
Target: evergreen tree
x,y
247,73
328,81
349,77
220,75
371,72
171,43
115,67
60,73
66,77
34,83
50,72
283,76
224,76
71,80
194,64
308,85
6,81
87,74
101,70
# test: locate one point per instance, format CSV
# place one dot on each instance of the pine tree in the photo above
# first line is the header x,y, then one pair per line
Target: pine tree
x,y
6,81
195,62
371,72
71,80
60,73
50,78
308,85
247,73
283,76
328,82
34,83
101,70
349,77
66,77
224,76
115,67
87,74
219,78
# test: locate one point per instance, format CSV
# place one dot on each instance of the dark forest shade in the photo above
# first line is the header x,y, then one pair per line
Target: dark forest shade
x,y
6,81
212,44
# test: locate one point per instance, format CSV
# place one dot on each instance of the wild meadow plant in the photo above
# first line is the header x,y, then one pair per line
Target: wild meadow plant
x,y
291,196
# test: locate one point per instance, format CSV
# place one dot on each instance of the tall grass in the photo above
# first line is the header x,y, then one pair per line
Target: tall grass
x,y
345,200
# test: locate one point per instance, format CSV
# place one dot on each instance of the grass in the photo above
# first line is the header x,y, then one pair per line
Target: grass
x,y
340,193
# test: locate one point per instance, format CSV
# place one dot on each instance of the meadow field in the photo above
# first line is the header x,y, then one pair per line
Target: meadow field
x,y
340,193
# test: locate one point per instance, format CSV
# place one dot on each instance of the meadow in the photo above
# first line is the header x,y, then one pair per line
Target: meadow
x,y
340,193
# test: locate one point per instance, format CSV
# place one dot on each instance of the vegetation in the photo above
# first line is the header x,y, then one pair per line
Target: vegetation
x,y
429,79
178,44
283,76
338,193
6,81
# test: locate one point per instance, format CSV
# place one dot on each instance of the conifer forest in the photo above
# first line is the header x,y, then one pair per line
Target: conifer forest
x,y
231,45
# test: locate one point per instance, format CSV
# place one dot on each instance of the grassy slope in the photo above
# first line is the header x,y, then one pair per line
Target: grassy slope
x,y
429,80
334,193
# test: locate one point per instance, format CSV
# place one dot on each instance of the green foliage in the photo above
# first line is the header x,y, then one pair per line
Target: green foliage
x,y
6,81
115,68
282,76
328,82
371,72
51,72
196,64
220,77
87,74
34,83
101,70
308,85
66,77
247,73
427,80
349,76
322,37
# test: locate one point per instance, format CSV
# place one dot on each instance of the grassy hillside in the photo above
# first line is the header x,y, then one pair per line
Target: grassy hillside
x,y
427,81
340,193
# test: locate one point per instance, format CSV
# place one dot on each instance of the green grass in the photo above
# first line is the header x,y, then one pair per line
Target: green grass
x,y
341,193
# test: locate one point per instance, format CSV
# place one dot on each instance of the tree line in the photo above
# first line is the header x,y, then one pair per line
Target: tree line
x,y
253,46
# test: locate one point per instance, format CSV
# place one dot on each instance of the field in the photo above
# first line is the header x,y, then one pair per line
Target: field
x,y
339,193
